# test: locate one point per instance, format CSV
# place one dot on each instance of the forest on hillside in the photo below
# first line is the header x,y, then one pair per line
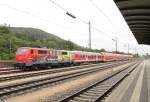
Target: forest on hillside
x,y
13,37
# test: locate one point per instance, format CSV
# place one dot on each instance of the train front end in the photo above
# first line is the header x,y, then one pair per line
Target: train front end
x,y
24,57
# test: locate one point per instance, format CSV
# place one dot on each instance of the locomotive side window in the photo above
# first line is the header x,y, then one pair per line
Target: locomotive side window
x,y
31,51
76,55
64,53
42,52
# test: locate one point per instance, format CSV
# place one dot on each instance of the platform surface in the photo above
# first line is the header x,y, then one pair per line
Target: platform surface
x,y
135,88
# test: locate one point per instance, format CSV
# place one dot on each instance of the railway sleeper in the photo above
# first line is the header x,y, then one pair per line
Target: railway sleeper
x,y
73,101
88,96
95,92
80,99
91,94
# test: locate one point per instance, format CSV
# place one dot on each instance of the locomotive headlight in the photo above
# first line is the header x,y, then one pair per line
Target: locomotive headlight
x,y
30,58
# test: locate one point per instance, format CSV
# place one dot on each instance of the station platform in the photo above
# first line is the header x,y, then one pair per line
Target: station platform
x,y
135,87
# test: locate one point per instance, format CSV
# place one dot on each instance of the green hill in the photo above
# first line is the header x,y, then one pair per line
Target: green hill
x,y
13,37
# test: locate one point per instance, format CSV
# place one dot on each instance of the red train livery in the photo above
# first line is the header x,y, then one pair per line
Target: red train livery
x,y
28,57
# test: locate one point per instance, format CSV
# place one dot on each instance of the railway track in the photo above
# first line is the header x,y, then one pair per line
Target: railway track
x,y
8,63
52,71
8,70
11,70
23,87
97,91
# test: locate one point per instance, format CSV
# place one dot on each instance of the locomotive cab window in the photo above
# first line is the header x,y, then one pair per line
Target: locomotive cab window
x,y
42,51
22,50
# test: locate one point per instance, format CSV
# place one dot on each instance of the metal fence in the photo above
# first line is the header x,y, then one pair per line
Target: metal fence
x,y
8,63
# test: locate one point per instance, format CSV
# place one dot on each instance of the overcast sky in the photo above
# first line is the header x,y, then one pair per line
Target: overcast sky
x,y
45,15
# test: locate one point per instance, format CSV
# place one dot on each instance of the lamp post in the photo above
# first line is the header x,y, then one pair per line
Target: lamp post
x,y
89,35
116,40
89,23
128,48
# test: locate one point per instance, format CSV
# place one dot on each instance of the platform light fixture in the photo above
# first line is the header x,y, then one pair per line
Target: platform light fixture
x,y
89,23
71,15
116,40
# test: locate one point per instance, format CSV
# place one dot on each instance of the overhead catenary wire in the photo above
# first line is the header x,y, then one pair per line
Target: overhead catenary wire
x,y
41,18
101,11
64,9
45,20
33,15
104,14
83,21
58,5
30,14
100,31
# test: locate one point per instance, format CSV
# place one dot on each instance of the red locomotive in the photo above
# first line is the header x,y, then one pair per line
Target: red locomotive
x,y
27,57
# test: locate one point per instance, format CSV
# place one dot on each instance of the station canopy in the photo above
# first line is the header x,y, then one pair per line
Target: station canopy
x,y
137,15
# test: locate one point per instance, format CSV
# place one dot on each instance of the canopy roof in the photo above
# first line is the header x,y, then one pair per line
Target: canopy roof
x,y
137,15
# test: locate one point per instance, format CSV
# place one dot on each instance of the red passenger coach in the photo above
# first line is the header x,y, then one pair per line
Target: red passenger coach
x,y
79,57
106,56
82,57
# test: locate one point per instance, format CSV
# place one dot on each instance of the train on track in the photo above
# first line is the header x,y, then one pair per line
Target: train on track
x,y
29,57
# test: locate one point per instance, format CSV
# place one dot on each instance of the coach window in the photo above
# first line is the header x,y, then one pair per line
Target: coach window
x,y
83,56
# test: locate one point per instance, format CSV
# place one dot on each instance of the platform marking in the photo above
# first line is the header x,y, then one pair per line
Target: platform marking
x,y
148,79
136,93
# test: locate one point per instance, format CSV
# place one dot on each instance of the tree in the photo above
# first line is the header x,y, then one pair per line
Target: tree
x,y
70,45
4,29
